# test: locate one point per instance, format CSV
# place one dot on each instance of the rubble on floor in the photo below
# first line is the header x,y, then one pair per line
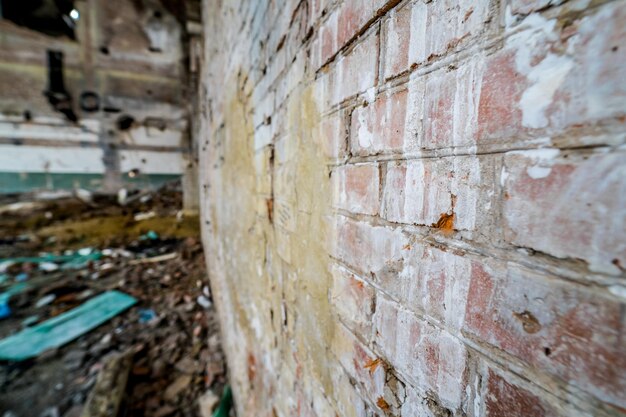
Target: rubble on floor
x,y
56,258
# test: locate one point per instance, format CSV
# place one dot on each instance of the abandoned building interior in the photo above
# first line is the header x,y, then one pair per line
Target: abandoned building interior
x,y
315,208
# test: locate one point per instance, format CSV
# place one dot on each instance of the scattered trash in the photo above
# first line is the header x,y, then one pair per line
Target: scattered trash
x,y
151,235
85,251
144,216
226,403
5,310
160,258
22,206
30,320
5,265
207,403
84,295
122,196
21,277
80,261
48,266
84,195
48,258
172,335
45,300
59,330
204,302
146,315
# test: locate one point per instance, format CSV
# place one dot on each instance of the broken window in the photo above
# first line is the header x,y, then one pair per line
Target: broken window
x,y
52,17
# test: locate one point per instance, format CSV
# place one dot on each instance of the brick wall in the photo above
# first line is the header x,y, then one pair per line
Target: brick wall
x,y
417,208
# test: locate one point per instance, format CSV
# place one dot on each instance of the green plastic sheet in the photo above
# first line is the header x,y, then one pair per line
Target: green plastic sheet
x,y
76,257
226,403
64,328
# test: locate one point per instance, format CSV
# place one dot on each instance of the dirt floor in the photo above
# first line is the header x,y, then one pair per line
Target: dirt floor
x,y
168,340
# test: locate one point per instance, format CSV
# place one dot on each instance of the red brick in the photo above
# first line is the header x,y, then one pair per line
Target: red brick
x,y
431,358
569,205
536,83
359,362
421,191
357,188
418,32
438,284
380,127
372,250
328,35
397,36
333,136
348,20
506,399
353,300
553,326
502,88
446,100
449,106
354,73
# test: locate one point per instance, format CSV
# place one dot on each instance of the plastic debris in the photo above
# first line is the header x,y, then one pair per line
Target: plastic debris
x,y
225,404
144,216
5,263
84,251
65,327
48,266
204,302
146,315
5,310
30,320
21,277
21,206
45,300
81,261
84,195
151,235
122,196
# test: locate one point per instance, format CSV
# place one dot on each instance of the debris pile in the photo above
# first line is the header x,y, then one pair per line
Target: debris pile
x,y
122,327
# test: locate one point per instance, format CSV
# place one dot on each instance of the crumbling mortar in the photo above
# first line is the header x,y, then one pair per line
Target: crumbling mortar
x,y
475,150
364,29
568,270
